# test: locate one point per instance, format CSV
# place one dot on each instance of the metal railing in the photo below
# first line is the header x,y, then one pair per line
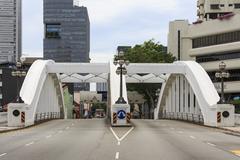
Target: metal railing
x,y
40,117
190,117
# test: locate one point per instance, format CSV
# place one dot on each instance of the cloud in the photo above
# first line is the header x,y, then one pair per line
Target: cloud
x,y
104,11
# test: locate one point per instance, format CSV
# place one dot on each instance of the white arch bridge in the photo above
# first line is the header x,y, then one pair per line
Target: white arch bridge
x,y
187,92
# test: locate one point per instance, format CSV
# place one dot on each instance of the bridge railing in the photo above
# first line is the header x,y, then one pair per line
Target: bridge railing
x,y
39,117
190,117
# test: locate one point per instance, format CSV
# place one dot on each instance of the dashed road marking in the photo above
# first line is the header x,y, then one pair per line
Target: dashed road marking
x,y
119,143
172,128
117,155
72,124
181,132
192,137
3,154
60,131
211,144
29,144
67,127
49,136
236,152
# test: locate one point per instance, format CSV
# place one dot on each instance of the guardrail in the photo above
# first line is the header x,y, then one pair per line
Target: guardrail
x,y
40,117
237,119
3,117
195,118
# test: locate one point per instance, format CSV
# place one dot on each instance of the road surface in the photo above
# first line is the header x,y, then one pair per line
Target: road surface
x,y
95,140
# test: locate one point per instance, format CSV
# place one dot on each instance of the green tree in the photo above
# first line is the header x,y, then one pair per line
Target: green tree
x,y
148,52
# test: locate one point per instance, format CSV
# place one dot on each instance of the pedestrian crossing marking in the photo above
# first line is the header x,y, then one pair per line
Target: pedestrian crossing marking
x,y
236,152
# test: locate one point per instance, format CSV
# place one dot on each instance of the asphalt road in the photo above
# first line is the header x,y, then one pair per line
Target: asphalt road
x,y
95,140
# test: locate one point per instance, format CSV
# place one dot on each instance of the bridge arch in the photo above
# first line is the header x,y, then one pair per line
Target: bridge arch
x,y
44,80
191,92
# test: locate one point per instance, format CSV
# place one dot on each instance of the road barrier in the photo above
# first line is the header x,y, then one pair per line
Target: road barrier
x,y
22,117
128,117
219,117
195,118
40,117
114,118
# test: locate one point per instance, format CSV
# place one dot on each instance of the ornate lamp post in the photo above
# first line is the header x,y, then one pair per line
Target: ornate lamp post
x,y
121,70
221,75
18,72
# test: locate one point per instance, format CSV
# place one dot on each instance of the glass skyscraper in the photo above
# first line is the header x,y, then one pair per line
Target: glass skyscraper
x,y
10,30
67,31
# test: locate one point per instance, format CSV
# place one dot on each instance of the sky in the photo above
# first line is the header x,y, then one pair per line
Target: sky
x,y
113,23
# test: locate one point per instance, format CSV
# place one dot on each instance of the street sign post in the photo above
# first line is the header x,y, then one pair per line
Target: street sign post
x,y
120,114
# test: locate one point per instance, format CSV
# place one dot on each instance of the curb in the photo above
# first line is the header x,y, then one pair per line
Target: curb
x,y
23,128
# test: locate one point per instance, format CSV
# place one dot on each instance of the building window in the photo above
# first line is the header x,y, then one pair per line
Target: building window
x,y
216,39
215,6
237,5
53,30
230,5
221,5
218,57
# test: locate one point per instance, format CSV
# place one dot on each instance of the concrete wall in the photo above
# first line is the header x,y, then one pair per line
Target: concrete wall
x,y
237,119
3,117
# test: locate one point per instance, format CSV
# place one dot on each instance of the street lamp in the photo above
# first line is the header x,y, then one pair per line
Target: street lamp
x,y
18,72
121,70
221,75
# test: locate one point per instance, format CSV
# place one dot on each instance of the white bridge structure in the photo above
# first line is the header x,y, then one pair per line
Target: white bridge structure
x,y
187,92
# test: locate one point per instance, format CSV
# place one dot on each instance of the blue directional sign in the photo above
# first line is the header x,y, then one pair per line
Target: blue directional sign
x,y
121,114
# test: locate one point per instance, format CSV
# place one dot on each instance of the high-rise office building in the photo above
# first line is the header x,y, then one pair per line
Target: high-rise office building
x,y
10,30
67,31
210,41
212,9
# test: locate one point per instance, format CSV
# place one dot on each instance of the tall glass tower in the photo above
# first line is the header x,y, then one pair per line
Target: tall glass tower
x,y
10,30
67,31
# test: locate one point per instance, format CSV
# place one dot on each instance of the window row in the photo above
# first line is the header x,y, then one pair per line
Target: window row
x,y
216,39
218,6
218,57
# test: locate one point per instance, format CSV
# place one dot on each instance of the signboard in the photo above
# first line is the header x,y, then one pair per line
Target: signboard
x,y
121,114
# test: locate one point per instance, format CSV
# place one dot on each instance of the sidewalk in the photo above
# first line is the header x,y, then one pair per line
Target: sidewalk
x,y
5,128
234,130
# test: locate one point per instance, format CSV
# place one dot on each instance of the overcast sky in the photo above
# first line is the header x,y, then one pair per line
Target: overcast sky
x,y
113,23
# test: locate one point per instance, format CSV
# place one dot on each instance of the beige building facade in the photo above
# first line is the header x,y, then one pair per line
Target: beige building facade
x,y
211,41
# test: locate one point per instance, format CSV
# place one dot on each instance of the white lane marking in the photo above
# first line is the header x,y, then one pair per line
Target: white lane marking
x,y
60,131
115,135
181,132
72,124
117,155
119,143
29,144
125,135
192,137
67,128
3,154
172,128
211,144
49,136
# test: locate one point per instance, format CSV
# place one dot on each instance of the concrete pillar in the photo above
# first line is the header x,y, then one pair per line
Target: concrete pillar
x,y
177,94
186,96
170,99
173,96
167,104
191,100
181,94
